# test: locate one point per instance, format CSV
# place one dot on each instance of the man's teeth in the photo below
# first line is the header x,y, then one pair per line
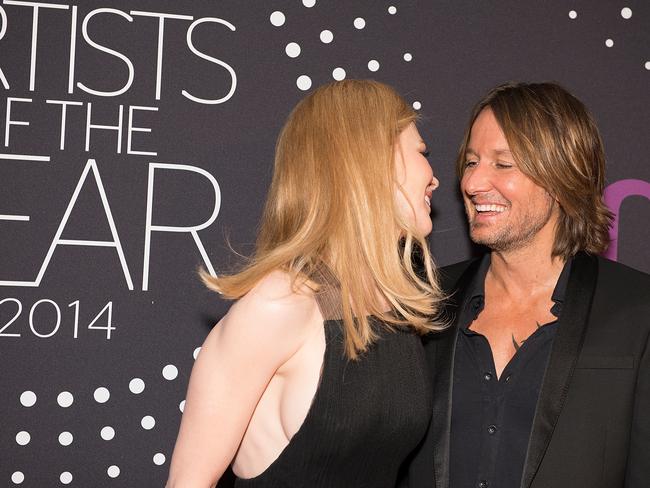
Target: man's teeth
x,y
427,200
490,208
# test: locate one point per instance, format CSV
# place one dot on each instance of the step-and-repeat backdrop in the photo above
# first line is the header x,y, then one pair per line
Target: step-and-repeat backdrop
x,y
136,141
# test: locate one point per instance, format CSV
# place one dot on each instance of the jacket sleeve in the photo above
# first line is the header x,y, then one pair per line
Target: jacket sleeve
x,y
638,460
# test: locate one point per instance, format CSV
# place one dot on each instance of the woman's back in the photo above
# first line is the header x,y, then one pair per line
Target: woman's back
x,y
366,416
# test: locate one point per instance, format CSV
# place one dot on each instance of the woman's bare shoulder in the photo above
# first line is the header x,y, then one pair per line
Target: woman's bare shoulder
x,y
274,311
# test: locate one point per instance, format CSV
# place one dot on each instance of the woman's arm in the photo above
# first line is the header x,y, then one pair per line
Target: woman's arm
x,y
237,360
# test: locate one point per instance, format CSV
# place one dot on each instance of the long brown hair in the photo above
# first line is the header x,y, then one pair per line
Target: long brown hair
x,y
556,143
331,206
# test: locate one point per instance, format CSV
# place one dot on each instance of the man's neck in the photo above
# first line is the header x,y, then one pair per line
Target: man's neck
x,y
525,271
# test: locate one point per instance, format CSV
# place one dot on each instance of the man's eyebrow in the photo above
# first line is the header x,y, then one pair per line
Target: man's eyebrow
x,y
498,152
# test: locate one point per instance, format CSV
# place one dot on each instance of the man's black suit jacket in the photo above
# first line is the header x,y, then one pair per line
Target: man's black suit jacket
x,y
592,423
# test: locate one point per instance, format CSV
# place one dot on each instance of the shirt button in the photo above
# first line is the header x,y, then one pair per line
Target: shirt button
x,y
483,484
508,378
487,376
491,430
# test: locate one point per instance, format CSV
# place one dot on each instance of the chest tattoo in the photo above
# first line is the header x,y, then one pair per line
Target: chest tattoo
x,y
516,344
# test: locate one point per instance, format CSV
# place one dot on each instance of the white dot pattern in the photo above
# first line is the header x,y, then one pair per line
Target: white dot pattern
x,y
408,57
66,477
309,3
107,433
17,477
136,386
181,406
373,65
338,74
609,43
101,394
277,19
148,422
326,36
417,105
28,398
65,438
303,82
392,10
65,399
626,12
196,352
359,23
170,372
23,438
159,459
113,471
292,49
573,14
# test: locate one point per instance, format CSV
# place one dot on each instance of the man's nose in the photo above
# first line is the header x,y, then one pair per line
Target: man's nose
x,y
477,179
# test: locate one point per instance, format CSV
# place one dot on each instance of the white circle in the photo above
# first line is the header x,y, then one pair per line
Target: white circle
x,y
359,22
609,43
23,438
159,459
626,12
309,3
277,18
107,433
170,372
65,438
136,385
196,352
65,399
408,57
417,105
66,477
181,406
292,49
373,65
113,471
102,394
17,477
573,14
392,10
326,36
338,74
303,82
148,422
647,65
28,398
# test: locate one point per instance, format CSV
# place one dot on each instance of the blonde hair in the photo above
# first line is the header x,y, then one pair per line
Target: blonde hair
x,y
556,143
331,207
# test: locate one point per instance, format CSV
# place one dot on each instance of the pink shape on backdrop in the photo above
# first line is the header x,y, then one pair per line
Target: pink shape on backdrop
x,y
614,195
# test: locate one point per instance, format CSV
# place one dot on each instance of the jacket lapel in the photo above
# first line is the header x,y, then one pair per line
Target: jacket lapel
x,y
566,347
443,350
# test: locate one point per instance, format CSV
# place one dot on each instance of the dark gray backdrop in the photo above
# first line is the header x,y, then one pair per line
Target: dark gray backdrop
x,y
74,408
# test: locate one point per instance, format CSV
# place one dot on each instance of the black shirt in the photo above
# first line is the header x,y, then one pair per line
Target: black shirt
x,y
492,418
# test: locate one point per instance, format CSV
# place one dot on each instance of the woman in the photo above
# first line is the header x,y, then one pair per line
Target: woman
x,y
315,377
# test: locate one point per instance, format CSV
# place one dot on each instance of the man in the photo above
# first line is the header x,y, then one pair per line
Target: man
x,y
543,380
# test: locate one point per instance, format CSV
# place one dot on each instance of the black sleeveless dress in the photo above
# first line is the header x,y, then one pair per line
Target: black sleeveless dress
x,y
366,416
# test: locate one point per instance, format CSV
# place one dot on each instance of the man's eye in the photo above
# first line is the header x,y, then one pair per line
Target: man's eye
x,y
469,164
503,165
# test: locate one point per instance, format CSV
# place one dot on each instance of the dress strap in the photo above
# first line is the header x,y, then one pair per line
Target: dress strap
x,y
328,297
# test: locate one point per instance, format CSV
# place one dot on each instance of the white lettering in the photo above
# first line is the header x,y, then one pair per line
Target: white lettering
x,y
233,75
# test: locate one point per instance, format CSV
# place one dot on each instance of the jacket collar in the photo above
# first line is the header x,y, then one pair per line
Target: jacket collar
x,y
572,327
